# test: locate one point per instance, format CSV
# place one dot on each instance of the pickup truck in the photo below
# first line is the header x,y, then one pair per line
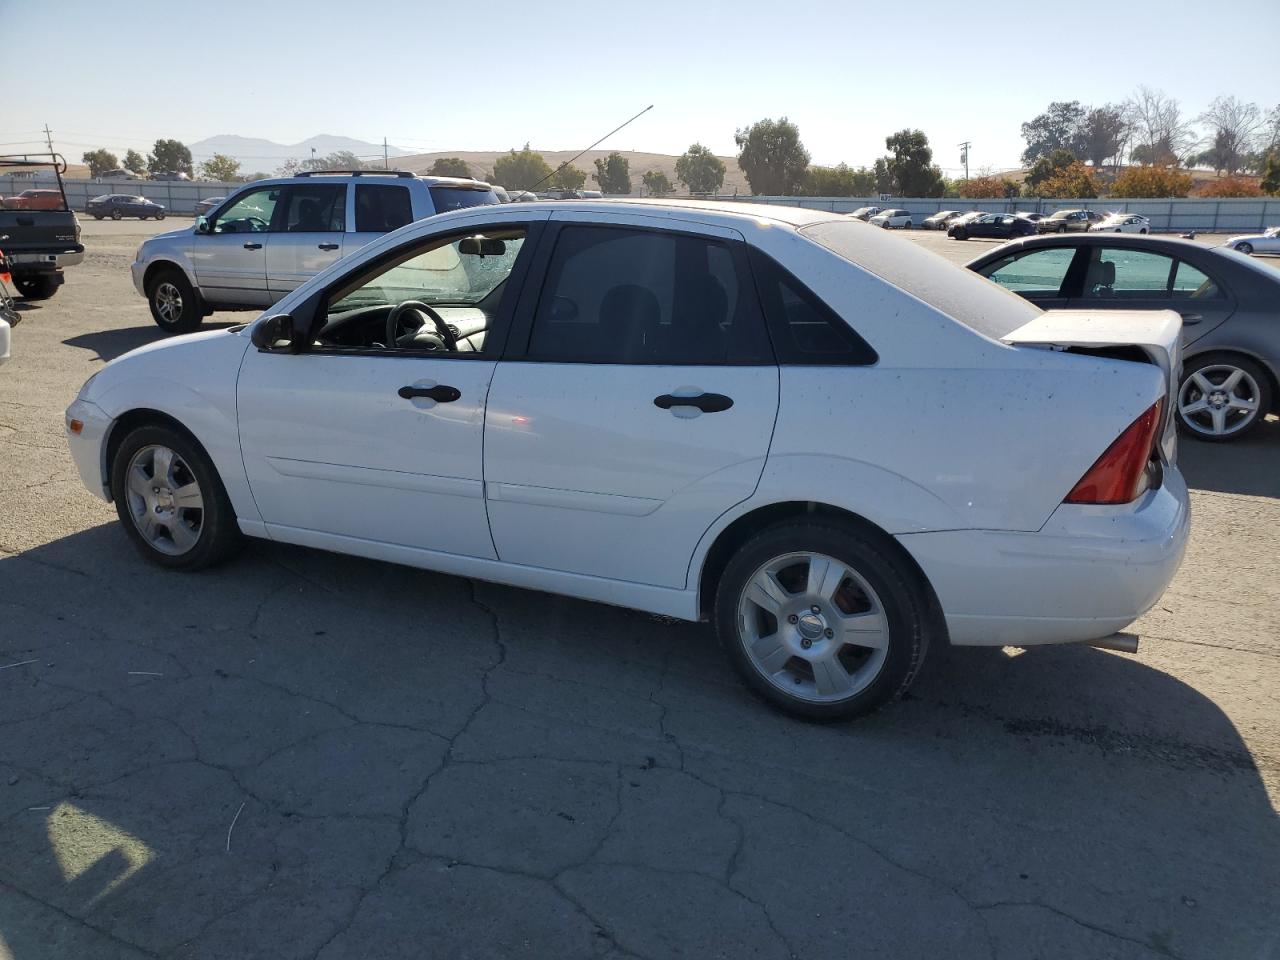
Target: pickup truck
x,y
39,243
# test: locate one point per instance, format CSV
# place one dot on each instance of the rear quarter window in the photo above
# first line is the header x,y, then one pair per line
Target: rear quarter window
x,y
961,294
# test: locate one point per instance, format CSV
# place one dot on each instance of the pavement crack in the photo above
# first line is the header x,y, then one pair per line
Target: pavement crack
x,y
1035,904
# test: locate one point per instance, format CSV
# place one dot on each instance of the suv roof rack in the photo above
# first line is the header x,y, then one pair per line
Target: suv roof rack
x,y
357,173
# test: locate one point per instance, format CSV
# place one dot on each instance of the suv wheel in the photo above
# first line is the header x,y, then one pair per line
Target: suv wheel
x,y
170,500
175,305
39,287
822,619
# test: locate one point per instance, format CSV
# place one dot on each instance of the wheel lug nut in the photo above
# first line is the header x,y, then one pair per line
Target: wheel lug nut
x,y
793,619
815,609
806,643
830,633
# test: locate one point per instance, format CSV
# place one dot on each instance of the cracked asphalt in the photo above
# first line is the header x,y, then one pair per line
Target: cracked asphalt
x,y
302,755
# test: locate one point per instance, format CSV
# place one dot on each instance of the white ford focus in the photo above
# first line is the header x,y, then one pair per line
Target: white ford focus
x,y
833,444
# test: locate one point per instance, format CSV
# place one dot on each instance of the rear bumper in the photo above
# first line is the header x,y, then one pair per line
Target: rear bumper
x,y
88,447
1089,572
46,261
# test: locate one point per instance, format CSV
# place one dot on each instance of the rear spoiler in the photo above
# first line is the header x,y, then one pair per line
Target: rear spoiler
x,y
1155,332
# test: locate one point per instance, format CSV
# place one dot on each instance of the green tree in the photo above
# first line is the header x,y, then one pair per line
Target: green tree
x,y
1271,174
1058,128
911,166
838,181
613,173
449,167
883,177
568,177
135,162
221,167
521,170
1101,133
656,182
1047,167
338,160
700,170
1074,182
170,156
772,157
100,161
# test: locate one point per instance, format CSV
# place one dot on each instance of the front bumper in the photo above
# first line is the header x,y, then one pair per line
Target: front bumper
x,y
138,270
88,447
1088,573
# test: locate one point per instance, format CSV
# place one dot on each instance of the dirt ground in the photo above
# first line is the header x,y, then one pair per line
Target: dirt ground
x,y
303,755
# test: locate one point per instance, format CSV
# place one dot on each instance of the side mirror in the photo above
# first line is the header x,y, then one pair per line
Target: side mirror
x,y
202,224
275,333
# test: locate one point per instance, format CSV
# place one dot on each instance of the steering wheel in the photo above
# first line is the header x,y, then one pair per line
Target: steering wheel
x,y
260,224
443,333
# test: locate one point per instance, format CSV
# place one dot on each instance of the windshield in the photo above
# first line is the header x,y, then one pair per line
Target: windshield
x,y
455,198
959,293
444,275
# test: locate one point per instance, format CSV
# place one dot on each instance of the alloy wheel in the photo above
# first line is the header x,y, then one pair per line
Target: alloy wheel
x,y
168,300
1219,400
813,627
165,501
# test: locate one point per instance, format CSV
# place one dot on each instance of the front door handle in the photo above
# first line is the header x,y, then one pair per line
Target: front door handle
x,y
250,245
1192,318
440,393
327,246
706,402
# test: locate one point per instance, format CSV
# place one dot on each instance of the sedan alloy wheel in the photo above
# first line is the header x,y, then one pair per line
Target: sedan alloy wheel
x,y
1220,401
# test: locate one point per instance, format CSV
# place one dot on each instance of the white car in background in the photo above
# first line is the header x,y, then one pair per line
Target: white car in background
x,y
831,443
1266,242
1122,223
892,219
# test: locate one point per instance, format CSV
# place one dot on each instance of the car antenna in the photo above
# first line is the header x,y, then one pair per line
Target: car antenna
x,y
593,146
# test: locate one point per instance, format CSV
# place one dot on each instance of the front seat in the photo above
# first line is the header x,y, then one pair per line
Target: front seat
x,y
629,316
1100,278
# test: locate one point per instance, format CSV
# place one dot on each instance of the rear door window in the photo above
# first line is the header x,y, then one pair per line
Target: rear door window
x,y
1125,274
1191,284
315,208
1041,271
381,208
804,330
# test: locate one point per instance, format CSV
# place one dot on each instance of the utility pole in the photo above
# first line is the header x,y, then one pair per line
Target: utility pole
x,y
48,137
964,157
385,164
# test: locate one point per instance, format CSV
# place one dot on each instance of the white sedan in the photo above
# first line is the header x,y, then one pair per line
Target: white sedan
x,y
1266,242
829,442
1122,223
892,219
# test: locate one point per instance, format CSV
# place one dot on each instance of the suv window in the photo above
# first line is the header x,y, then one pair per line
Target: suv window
x,y
455,198
1123,273
804,330
616,295
315,208
251,213
381,208
1040,271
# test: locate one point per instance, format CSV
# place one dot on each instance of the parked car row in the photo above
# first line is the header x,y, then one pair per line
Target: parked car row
x,y
424,400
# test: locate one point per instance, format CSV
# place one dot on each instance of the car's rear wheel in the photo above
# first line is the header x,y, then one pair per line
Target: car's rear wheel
x,y
1222,397
1245,247
823,619
116,215
170,500
175,306
160,215
960,235
42,286
97,216
1062,228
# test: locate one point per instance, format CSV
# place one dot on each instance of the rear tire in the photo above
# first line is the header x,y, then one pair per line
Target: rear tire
x,y
160,215
790,639
97,216
1245,248
207,534
1220,414
175,305
116,215
960,235
39,287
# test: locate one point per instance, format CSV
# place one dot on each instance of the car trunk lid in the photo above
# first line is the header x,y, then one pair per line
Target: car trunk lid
x,y
1149,336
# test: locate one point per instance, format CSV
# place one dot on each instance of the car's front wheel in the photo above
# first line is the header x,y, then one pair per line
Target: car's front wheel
x,y
97,216
1245,247
823,619
170,500
116,215
1222,397
174,304
960,235
160,215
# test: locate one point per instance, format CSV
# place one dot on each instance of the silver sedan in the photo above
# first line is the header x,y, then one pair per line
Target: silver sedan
x,y
1266,242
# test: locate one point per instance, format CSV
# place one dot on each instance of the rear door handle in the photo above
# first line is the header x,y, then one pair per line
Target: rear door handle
x,y
706,402
1191,318
250,245
440,393
327,246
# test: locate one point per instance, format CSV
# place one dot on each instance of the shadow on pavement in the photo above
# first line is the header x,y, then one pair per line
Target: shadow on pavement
x,y
109,344
408,758
1249,466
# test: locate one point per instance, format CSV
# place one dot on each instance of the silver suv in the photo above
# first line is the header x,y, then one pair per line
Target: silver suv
x,y
265,240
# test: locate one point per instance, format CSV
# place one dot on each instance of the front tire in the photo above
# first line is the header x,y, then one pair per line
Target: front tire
x,y
97,216
160,215
170,500
1222,397
175,305
823,619
39,287
1245,248
116,215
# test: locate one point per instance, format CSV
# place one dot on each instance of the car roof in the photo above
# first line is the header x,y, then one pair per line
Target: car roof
x,y
733,214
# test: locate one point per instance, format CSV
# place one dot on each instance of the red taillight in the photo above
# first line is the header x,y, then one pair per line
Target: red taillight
x,y
1119,475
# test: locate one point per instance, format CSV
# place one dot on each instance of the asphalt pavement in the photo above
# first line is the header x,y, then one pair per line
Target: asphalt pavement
x,y
304,755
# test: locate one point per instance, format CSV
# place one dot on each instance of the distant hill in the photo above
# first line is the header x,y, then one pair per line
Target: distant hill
x,y
481,164
257,154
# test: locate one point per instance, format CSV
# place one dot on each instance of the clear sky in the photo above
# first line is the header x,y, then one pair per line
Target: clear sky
x,y
467,76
